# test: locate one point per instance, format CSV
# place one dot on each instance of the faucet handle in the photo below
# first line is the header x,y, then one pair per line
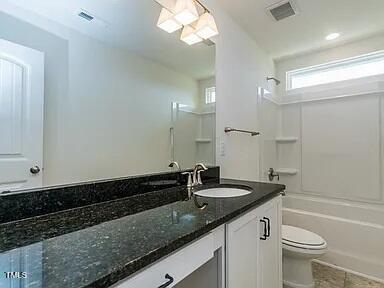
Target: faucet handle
x,y
189,181
199,177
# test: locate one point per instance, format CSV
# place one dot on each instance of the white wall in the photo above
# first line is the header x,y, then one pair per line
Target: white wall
x,y
241,66
107,111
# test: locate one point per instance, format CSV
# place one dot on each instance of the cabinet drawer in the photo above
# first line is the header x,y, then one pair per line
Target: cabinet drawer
x,y
178,265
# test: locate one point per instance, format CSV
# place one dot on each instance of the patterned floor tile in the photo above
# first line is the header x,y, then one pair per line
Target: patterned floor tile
x,y
327,277
354,281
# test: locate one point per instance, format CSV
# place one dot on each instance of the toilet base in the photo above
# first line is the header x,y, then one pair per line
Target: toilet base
x,y
297,270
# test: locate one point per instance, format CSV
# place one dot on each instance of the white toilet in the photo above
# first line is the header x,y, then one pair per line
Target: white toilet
x,y
300,247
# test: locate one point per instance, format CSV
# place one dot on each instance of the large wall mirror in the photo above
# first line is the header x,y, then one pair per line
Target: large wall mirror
x,y
93,90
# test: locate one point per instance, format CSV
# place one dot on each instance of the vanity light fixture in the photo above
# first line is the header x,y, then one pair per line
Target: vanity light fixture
x,y
189,35
167,21
206,26
332,36
196,20
186,11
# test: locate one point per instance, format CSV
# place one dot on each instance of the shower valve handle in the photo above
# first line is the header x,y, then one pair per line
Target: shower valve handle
x,y
272,174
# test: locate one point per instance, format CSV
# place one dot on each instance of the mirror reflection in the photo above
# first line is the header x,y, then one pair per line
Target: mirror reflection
x,y
193,129
86,90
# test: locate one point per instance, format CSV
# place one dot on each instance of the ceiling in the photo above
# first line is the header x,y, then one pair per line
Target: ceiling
x,y
354,19
130,24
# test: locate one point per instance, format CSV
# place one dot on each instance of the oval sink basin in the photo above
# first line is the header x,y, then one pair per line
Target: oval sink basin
x,y
223,192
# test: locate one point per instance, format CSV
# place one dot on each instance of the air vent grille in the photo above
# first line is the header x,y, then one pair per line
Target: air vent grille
x,y
282,11
86,16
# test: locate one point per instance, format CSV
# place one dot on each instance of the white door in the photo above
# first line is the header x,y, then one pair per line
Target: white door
x,y
21,117
270,256
242,251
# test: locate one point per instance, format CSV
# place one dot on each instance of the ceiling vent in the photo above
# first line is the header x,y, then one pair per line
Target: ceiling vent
x,y
282,10
88,17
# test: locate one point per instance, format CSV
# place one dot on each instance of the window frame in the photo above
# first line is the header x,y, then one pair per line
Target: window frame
x,y
361,59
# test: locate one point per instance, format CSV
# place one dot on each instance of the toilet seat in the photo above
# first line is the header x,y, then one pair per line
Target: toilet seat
x,y
302,239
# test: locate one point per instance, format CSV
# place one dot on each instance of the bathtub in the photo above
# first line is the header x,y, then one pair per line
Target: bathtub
x,y
354,232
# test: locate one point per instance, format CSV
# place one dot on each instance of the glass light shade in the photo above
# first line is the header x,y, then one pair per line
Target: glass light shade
x,y
189,36
186,12
166,21
206,26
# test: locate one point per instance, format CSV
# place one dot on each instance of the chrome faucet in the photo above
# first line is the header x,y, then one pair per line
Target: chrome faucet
x,y
174,164
199,167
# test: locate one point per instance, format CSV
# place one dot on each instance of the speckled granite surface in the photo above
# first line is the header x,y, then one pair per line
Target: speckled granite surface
x,y
53,199
100,244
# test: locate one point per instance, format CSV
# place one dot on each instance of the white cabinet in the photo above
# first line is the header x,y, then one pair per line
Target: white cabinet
x,y
254,248
270,246
242,251
174,268
252,256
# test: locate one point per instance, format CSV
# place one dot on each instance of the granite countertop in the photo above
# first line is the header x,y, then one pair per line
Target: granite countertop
x,y
99,244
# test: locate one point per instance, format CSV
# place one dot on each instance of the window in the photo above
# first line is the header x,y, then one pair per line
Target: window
x,y
348,69
210,95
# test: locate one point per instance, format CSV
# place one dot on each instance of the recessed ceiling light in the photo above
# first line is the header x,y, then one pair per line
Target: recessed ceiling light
x,y
332,36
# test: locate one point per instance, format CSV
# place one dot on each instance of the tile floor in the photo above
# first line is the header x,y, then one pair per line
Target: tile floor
x,y
327,277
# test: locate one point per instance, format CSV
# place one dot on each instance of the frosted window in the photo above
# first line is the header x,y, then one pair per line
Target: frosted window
x,y
210,95
363,66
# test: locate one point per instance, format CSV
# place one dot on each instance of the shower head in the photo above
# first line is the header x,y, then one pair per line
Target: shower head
x,y
277,81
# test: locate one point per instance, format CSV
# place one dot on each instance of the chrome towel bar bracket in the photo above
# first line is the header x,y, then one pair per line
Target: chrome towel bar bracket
x,y
229,129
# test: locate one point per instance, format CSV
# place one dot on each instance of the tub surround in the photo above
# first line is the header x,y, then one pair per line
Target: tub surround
x,y
102,243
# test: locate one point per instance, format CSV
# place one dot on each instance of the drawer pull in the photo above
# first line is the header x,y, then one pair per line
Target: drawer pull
x,y
265,235
169,282
268,234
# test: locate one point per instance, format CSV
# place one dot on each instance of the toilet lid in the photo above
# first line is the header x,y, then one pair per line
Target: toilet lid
x,y
298,237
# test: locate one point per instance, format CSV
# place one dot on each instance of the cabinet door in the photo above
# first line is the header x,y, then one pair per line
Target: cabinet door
x,y
270,247
242,251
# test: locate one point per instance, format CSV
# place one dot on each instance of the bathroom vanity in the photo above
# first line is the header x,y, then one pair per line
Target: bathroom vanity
x,y
151,238
247,251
